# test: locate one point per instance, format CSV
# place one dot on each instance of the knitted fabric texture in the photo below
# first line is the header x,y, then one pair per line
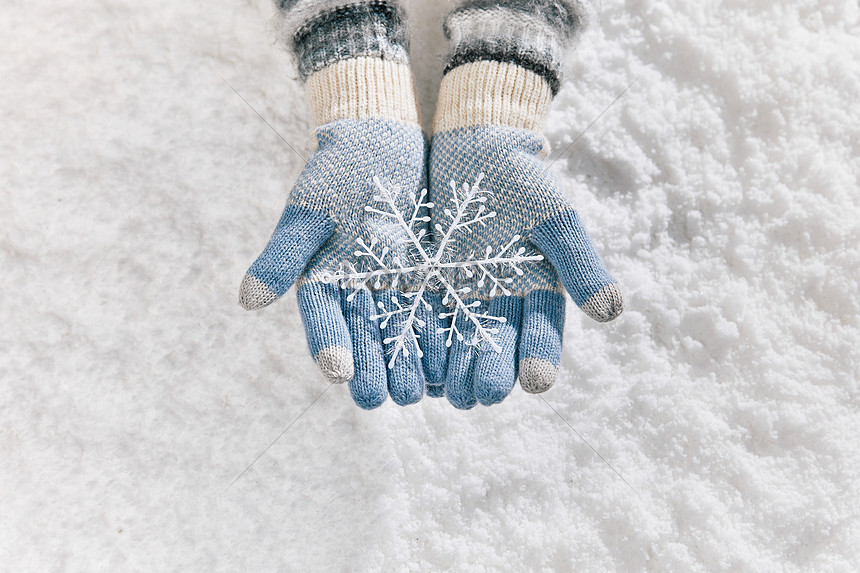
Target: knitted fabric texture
x,y
532,34
322,32
363,88
353,56
318,231
502,74
527,201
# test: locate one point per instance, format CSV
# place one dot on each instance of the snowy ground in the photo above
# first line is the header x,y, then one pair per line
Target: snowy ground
x,y
135,188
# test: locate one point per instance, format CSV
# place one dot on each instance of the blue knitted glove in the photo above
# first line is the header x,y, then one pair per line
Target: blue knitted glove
x,y
492,104
352,56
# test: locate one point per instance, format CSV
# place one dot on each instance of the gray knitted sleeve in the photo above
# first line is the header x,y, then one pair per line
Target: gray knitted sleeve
x,y
323,32
532,34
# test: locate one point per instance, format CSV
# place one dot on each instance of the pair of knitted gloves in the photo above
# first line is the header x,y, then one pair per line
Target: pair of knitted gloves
x,y
392,301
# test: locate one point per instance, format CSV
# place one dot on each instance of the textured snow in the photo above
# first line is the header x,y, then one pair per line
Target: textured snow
x,y
135,188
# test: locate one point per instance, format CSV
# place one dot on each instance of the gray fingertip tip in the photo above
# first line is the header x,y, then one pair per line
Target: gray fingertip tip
x,y
537,375
605,305
336,364
253,294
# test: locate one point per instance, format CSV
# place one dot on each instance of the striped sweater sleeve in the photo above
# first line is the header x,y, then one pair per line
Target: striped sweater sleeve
x,y
352,56
320,33
532,34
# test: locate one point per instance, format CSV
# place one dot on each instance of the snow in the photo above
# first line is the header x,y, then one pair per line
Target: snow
x,y
722,189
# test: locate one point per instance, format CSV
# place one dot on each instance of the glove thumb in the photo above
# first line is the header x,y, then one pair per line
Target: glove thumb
x,y
563,240
299,235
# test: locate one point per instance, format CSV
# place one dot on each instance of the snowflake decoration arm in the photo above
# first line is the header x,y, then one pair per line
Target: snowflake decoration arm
x,y
427,269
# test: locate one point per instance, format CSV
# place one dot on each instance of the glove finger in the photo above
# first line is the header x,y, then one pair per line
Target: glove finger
x,y
298,236
540,340
369,385
564,241
432,343
405,375
496,372
460,379
326,330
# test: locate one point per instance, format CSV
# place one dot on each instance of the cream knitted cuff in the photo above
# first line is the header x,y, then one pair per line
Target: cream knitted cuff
x,y
492,93
363,88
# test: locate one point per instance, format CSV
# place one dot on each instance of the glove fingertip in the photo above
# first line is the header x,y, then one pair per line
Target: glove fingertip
x,y
368,386
537,375
605,305
496,371
541,340
564,241
336,364
254,294
297,238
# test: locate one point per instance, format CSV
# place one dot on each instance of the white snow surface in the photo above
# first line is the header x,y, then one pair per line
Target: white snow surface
x,y
722,190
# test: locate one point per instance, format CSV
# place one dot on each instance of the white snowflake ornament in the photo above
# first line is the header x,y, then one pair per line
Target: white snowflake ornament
x,y
430,268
